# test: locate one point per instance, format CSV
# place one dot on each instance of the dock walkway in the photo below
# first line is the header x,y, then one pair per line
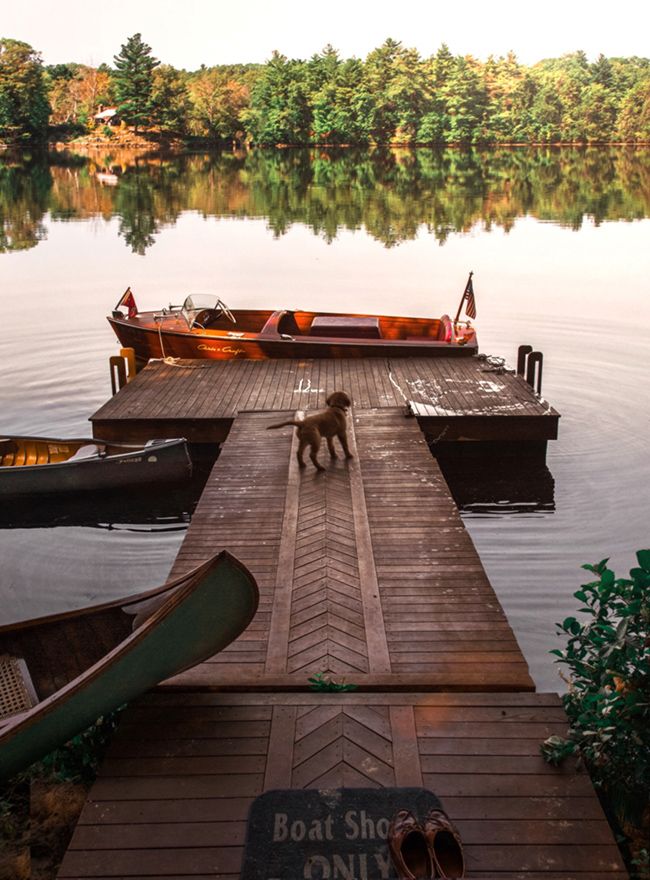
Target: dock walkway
x,y
365,571
366,574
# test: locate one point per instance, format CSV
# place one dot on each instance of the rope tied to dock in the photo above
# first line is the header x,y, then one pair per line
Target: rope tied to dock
x,y
494,364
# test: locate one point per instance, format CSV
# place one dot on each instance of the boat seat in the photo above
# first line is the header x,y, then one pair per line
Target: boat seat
x,y
17,692
288,324
345,327
7,451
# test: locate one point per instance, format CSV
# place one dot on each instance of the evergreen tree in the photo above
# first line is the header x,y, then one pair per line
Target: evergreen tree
x,y
133,77
24,106
280,111
170,99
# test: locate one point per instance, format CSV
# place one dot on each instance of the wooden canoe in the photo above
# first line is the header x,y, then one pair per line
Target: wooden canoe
x,y
62,672
46,466
203,327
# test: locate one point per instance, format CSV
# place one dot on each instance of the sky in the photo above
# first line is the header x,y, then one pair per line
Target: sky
x,y
194,32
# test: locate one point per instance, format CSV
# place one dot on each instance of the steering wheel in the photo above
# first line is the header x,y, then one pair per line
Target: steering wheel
x,y
201,319
226,311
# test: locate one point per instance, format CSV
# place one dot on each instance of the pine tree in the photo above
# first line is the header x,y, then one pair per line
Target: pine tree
x,y
133,77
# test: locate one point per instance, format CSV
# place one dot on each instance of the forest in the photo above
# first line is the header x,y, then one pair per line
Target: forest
x,y
392,97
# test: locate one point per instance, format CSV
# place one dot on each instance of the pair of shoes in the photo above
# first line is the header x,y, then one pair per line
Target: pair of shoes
x,y
428,850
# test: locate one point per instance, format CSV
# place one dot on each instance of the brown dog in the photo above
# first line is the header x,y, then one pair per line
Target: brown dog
x,y
328,423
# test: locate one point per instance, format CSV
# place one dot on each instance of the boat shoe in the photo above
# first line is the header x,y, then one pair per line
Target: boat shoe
x,y
445,845
409,848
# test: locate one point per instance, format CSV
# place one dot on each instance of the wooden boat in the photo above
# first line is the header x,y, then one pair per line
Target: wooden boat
x,y
204,327
41,465
62,672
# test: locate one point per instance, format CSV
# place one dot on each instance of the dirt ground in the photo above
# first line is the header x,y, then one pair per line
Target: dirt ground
x,y
36,827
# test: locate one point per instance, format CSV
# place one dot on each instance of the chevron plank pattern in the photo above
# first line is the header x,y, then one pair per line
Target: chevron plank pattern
x,y
327,631
343,747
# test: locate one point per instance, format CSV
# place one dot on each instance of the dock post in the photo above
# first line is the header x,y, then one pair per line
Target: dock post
x,y
534,371
129,356
117,367
522,353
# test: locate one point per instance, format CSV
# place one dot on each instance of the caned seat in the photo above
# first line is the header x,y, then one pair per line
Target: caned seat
x,y
17,692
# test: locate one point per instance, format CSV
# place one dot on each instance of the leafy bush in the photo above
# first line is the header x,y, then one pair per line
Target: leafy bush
x,y
608,701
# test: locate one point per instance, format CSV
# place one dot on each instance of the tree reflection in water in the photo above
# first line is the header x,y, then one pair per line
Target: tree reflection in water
x,y
392,193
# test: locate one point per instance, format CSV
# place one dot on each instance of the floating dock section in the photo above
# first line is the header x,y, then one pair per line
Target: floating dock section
x,y
368,578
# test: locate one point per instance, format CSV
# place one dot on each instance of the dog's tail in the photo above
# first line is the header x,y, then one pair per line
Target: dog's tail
x,y
284,424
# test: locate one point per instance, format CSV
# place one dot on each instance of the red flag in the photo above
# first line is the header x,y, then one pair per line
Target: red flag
x,y
128,300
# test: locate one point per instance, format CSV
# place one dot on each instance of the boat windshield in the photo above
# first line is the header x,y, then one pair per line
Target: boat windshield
x,y
200,306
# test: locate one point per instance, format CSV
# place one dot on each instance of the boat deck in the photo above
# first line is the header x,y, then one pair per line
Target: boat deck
x,y
453,398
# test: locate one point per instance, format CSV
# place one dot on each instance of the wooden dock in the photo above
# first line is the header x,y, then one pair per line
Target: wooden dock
x,y
174,793
365,572
453,399
366,575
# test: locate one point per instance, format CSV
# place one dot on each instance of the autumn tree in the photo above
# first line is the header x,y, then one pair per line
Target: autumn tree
x,y
76,98
634,118
24,107
218,102
133,78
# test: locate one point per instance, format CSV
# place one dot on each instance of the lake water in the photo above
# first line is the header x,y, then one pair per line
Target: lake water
x,y
558,240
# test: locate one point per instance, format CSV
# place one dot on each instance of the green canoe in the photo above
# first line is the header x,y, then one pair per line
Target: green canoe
x,y
58,674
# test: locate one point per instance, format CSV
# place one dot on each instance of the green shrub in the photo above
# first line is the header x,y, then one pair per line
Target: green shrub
x,y
608,700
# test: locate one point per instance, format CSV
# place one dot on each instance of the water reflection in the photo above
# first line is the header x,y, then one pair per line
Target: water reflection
x,y
392,194
62,553
515,486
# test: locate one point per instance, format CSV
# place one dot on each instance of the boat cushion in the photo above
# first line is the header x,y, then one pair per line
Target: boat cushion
x,y
346,327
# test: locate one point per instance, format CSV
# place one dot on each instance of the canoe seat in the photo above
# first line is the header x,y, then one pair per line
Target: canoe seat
x,y
17,692
7,451
345,328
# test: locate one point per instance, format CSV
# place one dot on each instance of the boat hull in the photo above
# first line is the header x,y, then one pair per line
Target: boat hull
x,y
204,612
127,467
168,339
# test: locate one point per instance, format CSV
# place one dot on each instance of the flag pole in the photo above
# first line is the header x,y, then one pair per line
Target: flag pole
x,y
463,298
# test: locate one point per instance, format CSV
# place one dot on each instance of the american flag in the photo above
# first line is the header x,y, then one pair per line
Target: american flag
x,y
470,301
128,300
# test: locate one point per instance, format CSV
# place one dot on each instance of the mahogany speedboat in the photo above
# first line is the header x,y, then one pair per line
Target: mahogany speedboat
x,y
204,327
